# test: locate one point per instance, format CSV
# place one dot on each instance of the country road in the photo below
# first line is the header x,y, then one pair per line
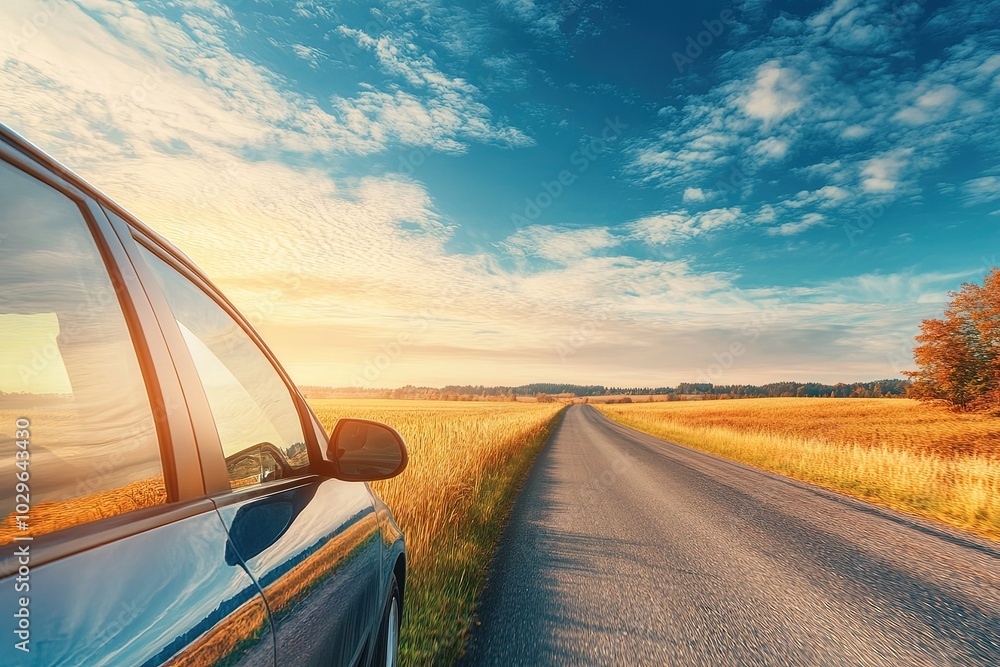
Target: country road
x,y
624,549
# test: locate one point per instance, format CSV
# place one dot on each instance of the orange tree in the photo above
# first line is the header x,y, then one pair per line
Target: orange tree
x,y
958,357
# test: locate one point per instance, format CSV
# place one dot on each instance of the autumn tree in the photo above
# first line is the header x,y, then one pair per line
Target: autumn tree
x,y
958,357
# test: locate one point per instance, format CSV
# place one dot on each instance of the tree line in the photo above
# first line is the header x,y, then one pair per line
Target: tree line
x,y
887,388
877,389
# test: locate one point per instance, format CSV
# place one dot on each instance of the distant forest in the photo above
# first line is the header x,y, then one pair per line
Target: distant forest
x,y
876,389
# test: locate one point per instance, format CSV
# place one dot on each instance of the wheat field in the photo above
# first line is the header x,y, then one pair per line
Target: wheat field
x,y
913,457
466,462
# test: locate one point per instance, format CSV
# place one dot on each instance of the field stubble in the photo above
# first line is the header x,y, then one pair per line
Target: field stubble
x,y
466,464
913,457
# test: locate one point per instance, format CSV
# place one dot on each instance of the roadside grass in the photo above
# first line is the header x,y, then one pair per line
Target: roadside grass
x,y
467,463
916,458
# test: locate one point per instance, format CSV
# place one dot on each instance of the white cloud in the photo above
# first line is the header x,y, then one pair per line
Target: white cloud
x,y
855,132
377,256
765,214
882,174
770,148
835,171
446,110
311,55
776,93
559,245
981,190
808,221
929,105
718,218
827,196
694,195
667,228
405,118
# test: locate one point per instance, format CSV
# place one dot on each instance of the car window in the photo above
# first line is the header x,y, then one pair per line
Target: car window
x,y
255,415
77,437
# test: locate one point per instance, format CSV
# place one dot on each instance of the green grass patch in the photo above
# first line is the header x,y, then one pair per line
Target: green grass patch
x,y
442,596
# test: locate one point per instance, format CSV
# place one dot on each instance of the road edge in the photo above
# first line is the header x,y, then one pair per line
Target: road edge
x,y
523,474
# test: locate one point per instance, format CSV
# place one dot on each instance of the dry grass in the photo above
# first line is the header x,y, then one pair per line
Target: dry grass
x,y
917,458
466,463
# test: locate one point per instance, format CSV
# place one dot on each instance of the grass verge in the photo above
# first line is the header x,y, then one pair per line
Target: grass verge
x,y
467,463
443,607
961,490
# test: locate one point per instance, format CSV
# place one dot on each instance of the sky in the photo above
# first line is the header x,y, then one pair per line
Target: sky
x,y
515,191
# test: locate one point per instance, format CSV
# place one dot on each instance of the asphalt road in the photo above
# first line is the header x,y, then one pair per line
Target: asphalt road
x,y
624,549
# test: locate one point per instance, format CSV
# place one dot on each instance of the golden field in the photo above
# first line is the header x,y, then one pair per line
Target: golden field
x,y
467,460
914,457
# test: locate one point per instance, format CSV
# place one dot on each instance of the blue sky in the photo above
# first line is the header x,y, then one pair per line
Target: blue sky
x,y
623,193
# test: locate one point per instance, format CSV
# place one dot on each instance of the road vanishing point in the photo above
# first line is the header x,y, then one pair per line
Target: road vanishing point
x,y
625,549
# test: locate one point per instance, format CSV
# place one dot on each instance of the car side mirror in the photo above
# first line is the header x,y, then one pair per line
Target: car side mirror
x,y
366,451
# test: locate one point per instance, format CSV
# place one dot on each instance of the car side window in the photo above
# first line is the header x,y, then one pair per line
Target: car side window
x,y
255,414
78,441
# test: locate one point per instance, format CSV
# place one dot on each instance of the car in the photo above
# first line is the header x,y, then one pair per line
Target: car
x,y
167,495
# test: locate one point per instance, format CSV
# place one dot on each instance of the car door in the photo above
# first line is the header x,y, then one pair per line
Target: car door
x,y
110,551
311,543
